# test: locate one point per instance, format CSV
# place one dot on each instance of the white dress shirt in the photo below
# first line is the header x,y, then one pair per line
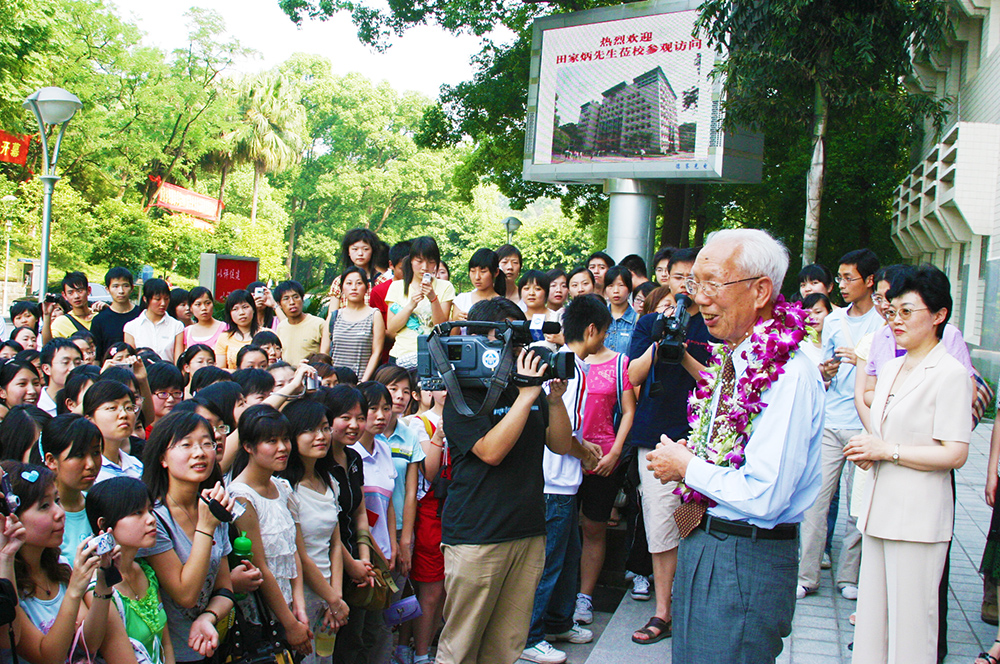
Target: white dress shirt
x,y
780,477
159,336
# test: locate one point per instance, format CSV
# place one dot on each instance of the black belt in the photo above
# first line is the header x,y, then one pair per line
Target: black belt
x,y
784,531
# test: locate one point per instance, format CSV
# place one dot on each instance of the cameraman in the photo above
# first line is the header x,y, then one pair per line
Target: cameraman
x,y
662,409
493,525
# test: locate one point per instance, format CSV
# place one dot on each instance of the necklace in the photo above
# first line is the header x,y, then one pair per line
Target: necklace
x,y
187,515
720,439
128,583
45,588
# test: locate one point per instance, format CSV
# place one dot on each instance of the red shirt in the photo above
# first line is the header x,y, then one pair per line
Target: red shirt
x,y
377,299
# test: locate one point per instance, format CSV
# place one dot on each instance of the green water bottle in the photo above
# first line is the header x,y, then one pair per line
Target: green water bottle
x,y
242,551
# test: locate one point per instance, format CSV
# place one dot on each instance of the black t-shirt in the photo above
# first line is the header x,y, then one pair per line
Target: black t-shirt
x,y
350,483
108,328
490,504
662,408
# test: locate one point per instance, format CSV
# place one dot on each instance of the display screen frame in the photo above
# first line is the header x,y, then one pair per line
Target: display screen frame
x,y
628,92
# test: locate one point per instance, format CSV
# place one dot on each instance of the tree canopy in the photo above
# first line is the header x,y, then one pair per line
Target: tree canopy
x,y
298,155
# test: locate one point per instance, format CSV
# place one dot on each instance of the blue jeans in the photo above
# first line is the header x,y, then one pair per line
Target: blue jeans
x,y
555,598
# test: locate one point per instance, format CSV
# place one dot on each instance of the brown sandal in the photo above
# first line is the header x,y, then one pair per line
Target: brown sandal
x,y
664,628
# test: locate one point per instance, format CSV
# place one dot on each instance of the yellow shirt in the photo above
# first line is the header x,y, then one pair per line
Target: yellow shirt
x,y
301,340
63,326
226,349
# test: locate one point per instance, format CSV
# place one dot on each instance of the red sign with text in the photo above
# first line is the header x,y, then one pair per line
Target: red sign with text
x,y
14,148
232,274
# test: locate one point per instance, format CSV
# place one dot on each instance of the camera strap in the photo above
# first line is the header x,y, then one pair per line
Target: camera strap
x,y
500,379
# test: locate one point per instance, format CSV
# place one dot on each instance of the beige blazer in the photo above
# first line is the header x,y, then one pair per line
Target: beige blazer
x,y
932,405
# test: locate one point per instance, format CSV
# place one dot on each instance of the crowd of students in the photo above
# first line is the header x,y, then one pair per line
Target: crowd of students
x,y
133,418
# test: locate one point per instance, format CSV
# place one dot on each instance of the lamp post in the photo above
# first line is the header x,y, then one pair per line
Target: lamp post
x,y
7,200
511,224
51,106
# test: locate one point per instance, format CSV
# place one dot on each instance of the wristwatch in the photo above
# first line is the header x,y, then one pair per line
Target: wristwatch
x,y
895,455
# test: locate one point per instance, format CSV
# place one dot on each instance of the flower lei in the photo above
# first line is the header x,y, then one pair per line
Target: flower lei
x,y
773,343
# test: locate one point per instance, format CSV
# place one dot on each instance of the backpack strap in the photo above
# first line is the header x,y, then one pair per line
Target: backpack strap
x,y
80,327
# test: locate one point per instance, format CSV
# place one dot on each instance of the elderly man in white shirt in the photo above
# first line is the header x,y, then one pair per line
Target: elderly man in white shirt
x,y
734,591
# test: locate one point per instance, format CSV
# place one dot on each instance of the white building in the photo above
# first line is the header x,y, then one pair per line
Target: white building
x,y
947,212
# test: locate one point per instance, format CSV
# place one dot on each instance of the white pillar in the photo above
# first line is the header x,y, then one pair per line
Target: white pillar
x,y
632,217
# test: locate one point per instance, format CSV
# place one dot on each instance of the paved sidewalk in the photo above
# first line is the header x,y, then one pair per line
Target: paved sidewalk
x,y
821,631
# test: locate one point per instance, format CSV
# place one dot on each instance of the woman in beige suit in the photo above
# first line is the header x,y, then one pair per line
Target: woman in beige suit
x,y
921,424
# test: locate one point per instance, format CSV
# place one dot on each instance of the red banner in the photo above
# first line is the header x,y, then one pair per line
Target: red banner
x,y
232,274
189,202
14,148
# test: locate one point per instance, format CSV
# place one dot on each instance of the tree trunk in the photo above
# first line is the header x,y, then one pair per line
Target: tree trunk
x,y
686,218
256,188
814,180
700,220
291,248
222,189
673,215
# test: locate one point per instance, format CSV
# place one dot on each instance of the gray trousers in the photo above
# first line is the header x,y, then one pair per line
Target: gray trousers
x,y
733,598
814,522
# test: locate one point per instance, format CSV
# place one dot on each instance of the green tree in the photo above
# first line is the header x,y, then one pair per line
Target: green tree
x,y
270,127
791,61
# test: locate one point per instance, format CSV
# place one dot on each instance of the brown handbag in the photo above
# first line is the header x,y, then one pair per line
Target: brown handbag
x,y
368,597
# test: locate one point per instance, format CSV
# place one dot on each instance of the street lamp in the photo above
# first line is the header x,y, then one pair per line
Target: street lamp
x,y
51,106
7,200
511,224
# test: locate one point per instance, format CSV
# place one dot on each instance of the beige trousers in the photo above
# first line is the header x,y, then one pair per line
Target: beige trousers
x,y
490,593
897,620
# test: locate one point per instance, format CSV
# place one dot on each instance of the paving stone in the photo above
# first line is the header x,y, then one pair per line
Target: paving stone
x,y
820,629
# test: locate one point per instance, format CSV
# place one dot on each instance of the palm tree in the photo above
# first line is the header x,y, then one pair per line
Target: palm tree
x,y
271,123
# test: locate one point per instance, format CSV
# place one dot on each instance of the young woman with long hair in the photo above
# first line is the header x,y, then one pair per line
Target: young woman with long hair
x,y
241,324
72,445
189,556
51,592
357,332
205,329
264,449
317,508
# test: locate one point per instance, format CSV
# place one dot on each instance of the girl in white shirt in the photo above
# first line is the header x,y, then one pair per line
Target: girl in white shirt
x,y
316,504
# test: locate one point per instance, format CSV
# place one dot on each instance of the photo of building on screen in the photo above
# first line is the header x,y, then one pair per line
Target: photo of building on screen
x,y
637,118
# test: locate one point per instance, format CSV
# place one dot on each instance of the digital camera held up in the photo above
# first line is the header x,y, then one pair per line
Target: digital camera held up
x,y
671,331
476,361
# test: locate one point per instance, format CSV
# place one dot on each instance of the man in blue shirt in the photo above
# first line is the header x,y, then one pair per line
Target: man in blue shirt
x,y
842,331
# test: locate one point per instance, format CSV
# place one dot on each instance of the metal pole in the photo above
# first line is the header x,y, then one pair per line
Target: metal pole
x,y
6,266
631,217
49,182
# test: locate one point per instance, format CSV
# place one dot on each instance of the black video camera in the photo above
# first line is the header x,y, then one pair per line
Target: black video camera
x,y
475,360
671,331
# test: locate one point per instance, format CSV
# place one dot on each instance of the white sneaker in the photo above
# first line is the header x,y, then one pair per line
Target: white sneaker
x,y
849,592
584,613
574,634
827,563
543,653
802,591
640,588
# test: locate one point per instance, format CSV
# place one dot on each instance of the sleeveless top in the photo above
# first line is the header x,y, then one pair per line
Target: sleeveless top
x,y
210,341
277,530
144,619
351,342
